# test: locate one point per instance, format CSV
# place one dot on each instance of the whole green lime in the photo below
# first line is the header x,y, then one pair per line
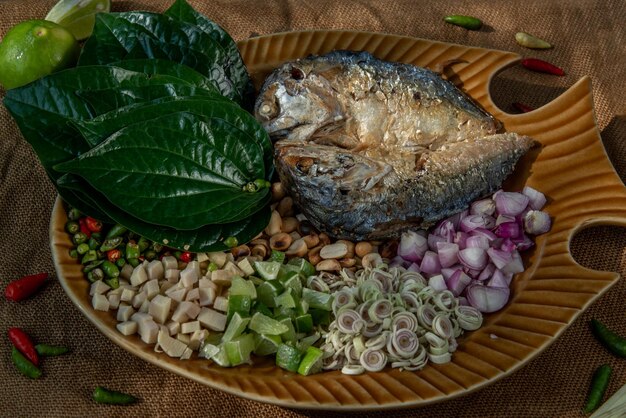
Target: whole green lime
x,y
33,49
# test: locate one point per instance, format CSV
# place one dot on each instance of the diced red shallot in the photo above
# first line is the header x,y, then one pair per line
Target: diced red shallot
x,y
537,222
487,272
458,282
537,200
508,230
510,203
499,258
473,258
447,253
483,207
437,282
478,241
485,298
430,263
412,246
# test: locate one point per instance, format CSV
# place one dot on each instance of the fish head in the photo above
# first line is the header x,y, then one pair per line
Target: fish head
x,y
296,101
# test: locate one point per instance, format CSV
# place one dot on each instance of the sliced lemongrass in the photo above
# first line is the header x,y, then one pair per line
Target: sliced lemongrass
x,y
445,301
349,321
372,329
344,298
404,342
378,342
404,320
353,369
469,318
425,315
440,358
351,353
436,344
373,360
442,326
379,310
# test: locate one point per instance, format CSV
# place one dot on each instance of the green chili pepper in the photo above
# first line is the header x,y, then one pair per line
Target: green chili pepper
x,y
467,22
615,343
89,256
73,214
212,266
95,275
120,262
150,255
132,251
93,243
72,227
92,266
112,397
156,247
133,262
51,350
599,383
110,244
110,269
116,230
73,253
143,244
79,238
25,367
231,242
82,248
113,282
96,235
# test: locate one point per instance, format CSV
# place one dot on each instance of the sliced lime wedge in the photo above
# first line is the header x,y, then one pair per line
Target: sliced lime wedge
x,y
312,361
238,304
268,270
304,266
243,287
263,324
267,291
290,334
266,344
288,357
78,16
286,299
304,323
238,349
221,358
317,300
236,326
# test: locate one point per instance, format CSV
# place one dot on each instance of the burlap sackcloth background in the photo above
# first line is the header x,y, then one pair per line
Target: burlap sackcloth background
x,y
589,39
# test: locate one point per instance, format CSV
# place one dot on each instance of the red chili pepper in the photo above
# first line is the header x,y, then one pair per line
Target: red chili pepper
x,y
94,225
23,343
186,257
84,228
522,107
542,66
114,255
26,286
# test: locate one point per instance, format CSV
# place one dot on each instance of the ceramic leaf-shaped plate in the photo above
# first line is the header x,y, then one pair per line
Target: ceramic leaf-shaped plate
x,y
571,168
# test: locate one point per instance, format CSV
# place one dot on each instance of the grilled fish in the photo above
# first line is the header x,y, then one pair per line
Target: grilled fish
x,y
369,148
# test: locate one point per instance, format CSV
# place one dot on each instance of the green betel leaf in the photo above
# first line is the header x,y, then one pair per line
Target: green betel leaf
x,y
43,108
119,36
176,171
205,238
182,11
185,74
103,101
210,108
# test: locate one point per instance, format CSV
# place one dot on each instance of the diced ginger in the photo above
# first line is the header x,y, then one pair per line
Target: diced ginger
x,y
160,308
193,294
100,302
176,294
151,288
207,296
139,275
171,346
220,303
128,295
212,319
190,275
202,257
169,262
173,327
164,285
139,299
155,270
148,330
222,277
127,327
245,266
189,327
114,300
145,306
183,337
206,282
124,312
126,271
98,288
232,267
140,317
172,275
185,311
186,354
218,257
197,338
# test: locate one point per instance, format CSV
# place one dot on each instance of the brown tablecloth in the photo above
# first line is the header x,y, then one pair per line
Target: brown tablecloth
x,y
589,38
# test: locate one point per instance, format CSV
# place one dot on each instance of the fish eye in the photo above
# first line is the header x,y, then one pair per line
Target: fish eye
x,y
268,108
297,73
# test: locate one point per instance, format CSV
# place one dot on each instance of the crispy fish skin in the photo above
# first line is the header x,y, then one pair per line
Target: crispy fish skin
x,y
330,184
370,148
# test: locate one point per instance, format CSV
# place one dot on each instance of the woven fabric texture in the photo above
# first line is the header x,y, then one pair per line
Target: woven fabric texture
x,y
589,39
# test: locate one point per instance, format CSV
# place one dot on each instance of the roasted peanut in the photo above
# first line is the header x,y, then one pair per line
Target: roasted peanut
x,y
389,249
311,239
336,250
314,255
363,248
275,224
280,241
278,191
328,265
240,251
324,238
285,206
259,251
297,249
347,262
350,245
371,260
290,224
